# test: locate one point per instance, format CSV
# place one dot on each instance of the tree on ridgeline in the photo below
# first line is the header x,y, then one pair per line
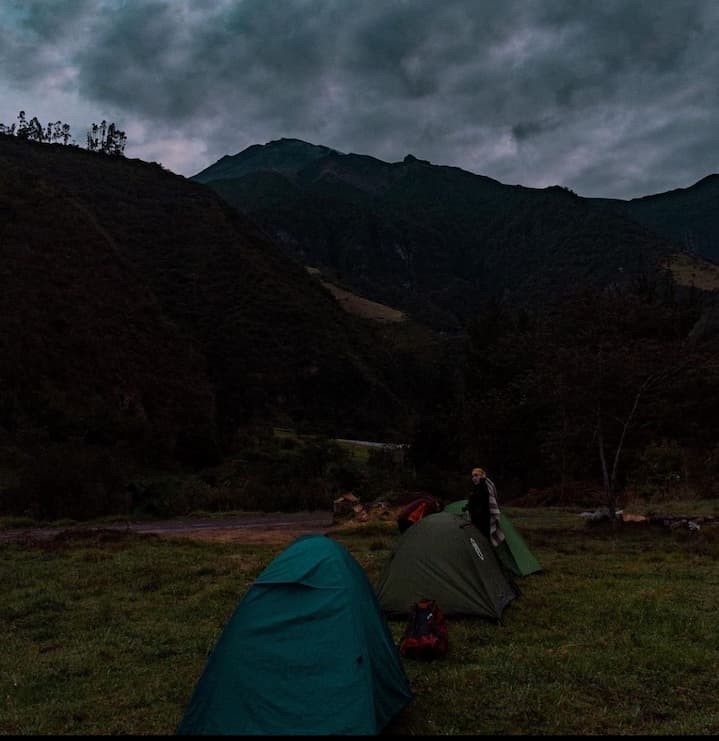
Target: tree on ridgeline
x,y
57,132
104,137
33,130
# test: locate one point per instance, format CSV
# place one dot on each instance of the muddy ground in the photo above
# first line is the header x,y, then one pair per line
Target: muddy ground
x,y
255,528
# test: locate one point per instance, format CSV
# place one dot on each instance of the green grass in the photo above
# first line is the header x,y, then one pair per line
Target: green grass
x,y
358,453
619,635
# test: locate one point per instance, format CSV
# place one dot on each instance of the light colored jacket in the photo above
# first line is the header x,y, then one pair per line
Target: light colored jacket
x,y
495,532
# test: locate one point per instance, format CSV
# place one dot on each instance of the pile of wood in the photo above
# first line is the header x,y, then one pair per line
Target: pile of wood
x,y
348,505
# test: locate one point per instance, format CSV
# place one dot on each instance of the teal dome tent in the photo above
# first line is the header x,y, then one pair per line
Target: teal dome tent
x,y
306,651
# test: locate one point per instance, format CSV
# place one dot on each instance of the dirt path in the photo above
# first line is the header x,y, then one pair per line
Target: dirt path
x,y
256,528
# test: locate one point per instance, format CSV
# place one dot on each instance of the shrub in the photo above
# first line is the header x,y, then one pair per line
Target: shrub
x,y
659,471
75,481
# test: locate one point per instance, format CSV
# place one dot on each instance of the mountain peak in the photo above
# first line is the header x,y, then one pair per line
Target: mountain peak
x,y
410,158
286,156
291,141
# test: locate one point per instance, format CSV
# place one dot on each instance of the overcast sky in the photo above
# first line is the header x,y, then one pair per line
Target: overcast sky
x,y
615,98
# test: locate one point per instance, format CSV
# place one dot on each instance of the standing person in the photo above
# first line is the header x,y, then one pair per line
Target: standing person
x,y
483,508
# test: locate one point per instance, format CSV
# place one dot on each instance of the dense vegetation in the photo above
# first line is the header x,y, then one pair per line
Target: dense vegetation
x,y
578,358
153,336
145,320
611,384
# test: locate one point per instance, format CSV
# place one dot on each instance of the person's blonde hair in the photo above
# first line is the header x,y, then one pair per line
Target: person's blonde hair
x,y
480,471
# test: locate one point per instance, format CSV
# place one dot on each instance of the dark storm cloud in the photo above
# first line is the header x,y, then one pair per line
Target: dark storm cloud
x,y
34,37
615,98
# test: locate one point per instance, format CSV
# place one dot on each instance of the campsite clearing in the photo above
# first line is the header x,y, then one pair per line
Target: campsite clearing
x,y
617,636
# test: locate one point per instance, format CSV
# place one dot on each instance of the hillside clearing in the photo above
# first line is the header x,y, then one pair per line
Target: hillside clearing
x,y
354,304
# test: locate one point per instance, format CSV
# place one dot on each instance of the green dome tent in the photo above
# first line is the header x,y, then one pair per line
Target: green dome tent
x,y
445,558
306,651
512,551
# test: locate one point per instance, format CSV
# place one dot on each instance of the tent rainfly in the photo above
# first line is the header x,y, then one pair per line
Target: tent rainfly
x,y
513,551
306,651
444,557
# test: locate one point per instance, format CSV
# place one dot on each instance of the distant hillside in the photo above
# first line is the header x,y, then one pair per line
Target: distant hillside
x,y
430,240
690,216
138,303
88,350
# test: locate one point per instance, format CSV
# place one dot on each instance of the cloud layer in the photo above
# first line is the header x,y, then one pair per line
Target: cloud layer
x,y
616,99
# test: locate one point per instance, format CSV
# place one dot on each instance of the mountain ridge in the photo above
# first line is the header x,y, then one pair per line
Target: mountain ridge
x,y
435,240
206,174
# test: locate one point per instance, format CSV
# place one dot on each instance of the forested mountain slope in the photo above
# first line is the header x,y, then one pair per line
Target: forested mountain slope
x,y
139,305
432,240
690,216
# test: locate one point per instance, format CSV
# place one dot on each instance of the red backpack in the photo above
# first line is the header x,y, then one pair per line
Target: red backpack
x,y
426,635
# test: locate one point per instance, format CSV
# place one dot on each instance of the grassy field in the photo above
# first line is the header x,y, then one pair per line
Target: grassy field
x,y
358,305
620,635
688,270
